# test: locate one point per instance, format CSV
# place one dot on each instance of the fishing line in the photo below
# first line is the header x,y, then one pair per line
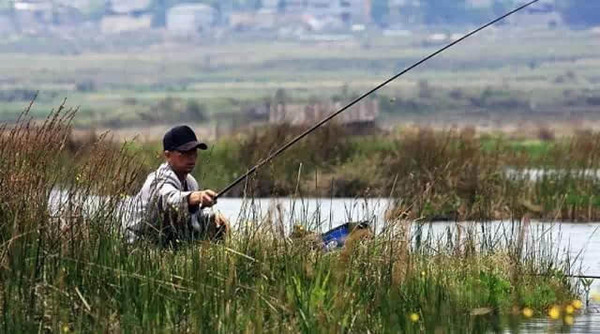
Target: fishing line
x,y
358,99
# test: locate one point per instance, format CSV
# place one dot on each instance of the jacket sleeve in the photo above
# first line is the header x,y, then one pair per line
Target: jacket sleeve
x,y
193,186
170,197
200,218
173,198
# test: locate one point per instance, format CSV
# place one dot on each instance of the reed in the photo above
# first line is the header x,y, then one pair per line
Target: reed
x,y
64,266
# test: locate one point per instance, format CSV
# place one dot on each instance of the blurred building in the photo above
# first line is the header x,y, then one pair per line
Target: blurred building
x,y
271,4
404,11
6,24
190,19
261,19
395,4
542,14
363,113
126,16
128,6
115,24
480,3
347,11
35,16
29,4
83,5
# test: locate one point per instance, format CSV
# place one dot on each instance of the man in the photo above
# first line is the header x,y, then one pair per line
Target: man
x,y
168,208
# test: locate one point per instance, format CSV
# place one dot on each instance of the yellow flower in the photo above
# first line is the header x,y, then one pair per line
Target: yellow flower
x,y
414,317
65,329
554,312
423,273
569,309
569,320
577,304
527,312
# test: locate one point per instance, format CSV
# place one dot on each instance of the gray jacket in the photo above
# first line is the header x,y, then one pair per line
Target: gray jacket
x,y
161,211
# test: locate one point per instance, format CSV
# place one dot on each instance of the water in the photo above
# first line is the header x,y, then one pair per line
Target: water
x,y
537,174
578,240
586,323
315,213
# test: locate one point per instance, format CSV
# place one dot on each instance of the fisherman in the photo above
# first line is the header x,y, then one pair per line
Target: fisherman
x,y
169,207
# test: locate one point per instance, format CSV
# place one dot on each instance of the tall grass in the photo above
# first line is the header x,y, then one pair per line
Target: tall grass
x,y
68,268
459,175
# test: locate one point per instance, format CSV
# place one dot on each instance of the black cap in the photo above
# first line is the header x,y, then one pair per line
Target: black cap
x,y
181,138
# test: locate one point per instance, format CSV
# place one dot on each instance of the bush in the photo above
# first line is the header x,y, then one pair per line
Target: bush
x,y
325,145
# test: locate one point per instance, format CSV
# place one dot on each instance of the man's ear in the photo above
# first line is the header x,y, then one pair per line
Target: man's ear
x,y
167,154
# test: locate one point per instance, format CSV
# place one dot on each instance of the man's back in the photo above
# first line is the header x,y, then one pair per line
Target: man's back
x,y
161,209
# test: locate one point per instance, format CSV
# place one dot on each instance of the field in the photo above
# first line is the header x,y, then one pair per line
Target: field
x,y
500,76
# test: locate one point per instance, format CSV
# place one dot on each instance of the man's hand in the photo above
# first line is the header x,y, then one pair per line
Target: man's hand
x,y
219,229
221,222
205,198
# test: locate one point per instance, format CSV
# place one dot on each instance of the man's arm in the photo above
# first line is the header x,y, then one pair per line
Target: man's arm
x,y
173,197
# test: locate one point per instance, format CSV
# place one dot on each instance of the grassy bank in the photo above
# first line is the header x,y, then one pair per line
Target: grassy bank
x,y
258,282
61,270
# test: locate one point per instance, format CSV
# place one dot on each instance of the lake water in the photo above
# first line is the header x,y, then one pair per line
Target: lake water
x,y
580,240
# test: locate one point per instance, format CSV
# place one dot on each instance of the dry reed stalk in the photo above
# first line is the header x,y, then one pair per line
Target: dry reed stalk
x,y
28,152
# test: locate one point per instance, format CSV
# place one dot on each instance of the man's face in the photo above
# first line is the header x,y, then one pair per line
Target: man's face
x,y
182,162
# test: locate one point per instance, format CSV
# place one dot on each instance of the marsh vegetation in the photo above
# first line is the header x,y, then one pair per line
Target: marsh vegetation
x,y
64,271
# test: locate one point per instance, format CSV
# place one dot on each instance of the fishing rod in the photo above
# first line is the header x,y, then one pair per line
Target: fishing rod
x,y
358,99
